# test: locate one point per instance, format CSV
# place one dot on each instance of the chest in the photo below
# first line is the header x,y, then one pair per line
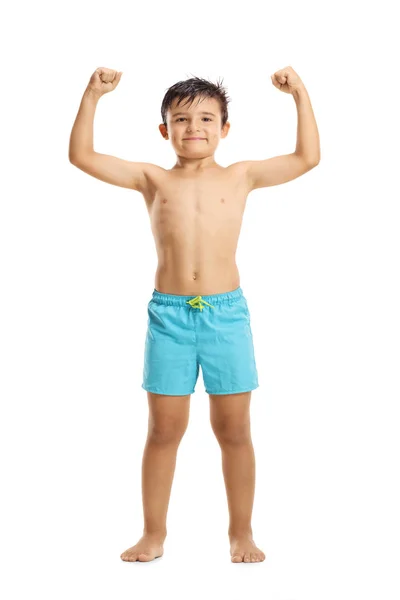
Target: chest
x,y
218,199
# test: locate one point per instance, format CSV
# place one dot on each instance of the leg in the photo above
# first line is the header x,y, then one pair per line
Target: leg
x,y
168,420
230,421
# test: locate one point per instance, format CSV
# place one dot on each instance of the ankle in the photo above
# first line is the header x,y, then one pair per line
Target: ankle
x,y
240,533
160,533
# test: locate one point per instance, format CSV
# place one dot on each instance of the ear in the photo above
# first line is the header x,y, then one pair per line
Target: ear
x,y
163,130
225,129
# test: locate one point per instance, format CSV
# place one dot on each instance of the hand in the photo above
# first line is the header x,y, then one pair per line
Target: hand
x,y
104,80
287,80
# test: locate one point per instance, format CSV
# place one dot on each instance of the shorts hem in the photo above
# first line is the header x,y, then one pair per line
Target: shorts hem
x,y
154,391
248,389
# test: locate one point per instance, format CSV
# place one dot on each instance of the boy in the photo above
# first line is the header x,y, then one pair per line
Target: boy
x,y
198,314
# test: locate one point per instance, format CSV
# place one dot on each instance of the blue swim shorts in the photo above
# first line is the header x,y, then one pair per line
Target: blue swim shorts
x,y
186,332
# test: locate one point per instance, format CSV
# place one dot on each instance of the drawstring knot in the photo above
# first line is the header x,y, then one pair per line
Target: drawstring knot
x,y
196,303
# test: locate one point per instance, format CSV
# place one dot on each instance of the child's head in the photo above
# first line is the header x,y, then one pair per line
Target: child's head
x,y
182,113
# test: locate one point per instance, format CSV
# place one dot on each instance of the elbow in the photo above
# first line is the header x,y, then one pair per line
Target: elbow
x,y
311,164
74,160
310,160
77,158
316,160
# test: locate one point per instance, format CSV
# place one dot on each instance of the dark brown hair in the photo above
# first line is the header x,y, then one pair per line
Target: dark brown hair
x,y
192,88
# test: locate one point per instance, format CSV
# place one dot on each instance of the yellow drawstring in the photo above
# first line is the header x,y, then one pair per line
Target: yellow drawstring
x,y
195,303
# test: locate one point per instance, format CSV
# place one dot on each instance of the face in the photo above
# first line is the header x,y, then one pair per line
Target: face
x,y
201,119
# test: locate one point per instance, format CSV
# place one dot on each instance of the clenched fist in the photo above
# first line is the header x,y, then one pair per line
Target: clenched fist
x,y
104,80
287,80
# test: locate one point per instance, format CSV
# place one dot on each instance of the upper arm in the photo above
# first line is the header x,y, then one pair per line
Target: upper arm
x,y
275,170
123,173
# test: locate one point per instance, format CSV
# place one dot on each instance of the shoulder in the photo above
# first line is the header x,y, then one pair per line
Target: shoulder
x,y
152,170
241,172
153,174
239,168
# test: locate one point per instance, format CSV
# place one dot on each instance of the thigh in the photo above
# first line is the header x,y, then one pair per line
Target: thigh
x,y
230,413
168,415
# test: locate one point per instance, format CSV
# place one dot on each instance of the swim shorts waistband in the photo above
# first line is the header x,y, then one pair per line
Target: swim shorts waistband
x,y
177,300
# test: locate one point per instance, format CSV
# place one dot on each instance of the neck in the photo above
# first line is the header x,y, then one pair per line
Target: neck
x,y
194,164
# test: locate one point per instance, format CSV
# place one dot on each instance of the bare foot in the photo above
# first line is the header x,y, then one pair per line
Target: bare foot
x,y
243,549
149,546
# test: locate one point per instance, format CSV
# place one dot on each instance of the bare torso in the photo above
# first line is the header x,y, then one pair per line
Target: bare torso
x,y
196,221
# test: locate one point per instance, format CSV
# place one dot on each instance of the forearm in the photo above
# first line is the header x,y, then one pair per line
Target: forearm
x,y
81,140
308,144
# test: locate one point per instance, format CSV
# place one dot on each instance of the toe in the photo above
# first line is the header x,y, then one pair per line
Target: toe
x,y
236,558
253,557
144,556
247,557
127,557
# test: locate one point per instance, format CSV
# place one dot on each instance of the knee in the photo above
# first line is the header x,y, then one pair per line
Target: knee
x,y
232,434
170,432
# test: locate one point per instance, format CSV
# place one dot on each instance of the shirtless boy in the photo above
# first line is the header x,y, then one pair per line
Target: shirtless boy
x,y
198,314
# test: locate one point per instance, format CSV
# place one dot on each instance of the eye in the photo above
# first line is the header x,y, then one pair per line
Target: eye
x,y
208,119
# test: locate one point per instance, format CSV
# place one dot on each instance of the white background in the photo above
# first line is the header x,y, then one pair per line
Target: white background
x,y
319,265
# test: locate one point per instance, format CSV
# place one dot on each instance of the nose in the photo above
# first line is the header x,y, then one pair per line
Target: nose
x,y
192,127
